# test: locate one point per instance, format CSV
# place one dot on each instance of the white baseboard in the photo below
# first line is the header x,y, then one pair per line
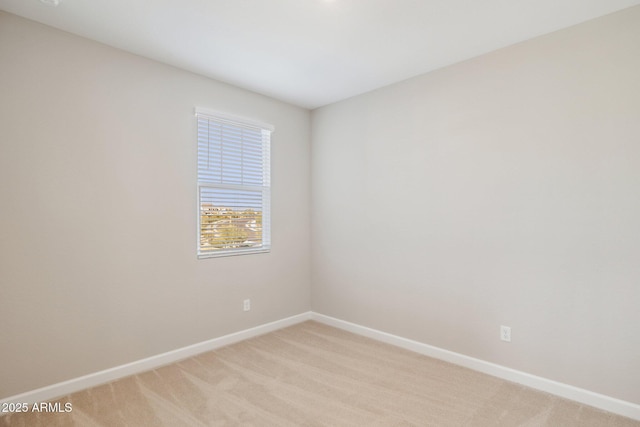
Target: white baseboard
x,y
71,386
586,397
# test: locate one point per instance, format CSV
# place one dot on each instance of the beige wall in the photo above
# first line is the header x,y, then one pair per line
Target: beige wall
x,y
504,190
98,210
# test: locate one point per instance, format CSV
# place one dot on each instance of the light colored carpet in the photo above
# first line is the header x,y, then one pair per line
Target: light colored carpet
x,y
315,375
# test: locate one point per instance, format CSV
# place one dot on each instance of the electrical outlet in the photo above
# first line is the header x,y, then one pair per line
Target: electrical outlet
x,y
505,333
247,305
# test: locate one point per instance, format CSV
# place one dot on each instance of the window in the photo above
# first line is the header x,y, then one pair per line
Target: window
x,y
234,185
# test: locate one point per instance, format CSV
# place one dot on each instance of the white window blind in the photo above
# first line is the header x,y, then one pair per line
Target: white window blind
x,y
234,185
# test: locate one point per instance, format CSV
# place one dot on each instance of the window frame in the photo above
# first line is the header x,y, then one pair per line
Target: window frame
x,y
240,122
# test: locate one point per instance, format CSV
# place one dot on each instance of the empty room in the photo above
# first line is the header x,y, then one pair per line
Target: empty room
x,y
320,213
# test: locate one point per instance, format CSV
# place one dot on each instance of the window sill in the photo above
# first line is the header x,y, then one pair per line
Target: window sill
x,y
234,252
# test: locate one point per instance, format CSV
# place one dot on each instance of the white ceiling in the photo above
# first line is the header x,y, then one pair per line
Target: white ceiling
x,y
312,52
